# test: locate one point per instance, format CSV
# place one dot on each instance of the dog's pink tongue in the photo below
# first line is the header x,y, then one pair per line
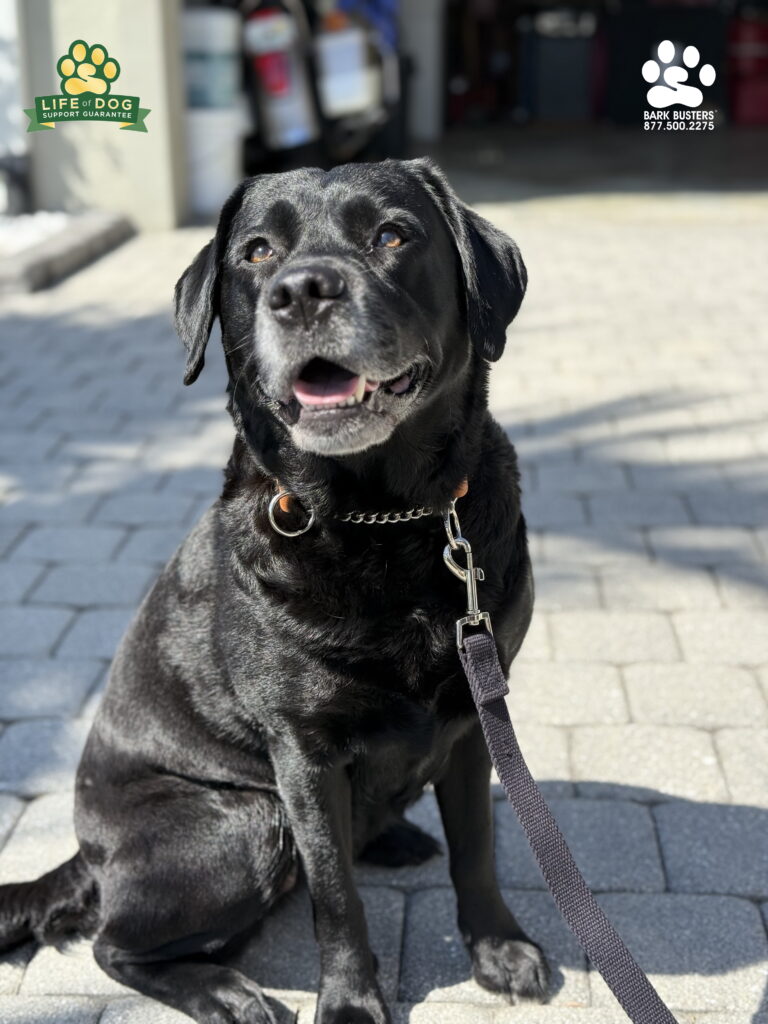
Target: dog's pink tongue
x,y
328,388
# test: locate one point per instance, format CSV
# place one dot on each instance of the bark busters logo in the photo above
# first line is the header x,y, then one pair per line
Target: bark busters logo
x,y
674,75
87,74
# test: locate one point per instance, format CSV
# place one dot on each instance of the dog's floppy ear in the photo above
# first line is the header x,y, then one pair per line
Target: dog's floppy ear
x,y
197,291
495,277
197,307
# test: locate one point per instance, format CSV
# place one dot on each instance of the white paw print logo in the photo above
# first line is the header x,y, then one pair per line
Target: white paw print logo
x,y
675,88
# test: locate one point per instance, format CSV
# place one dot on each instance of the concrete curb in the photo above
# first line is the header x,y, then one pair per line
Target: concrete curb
x,y
88,236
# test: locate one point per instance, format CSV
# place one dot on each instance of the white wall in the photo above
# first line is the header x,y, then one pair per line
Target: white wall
x,y
82,164
12,119
422,25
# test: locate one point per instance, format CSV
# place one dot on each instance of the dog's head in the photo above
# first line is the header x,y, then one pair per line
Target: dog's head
x,y
349,298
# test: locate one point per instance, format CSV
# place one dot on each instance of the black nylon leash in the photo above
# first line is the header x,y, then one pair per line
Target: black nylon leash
x,y
573,897
575,901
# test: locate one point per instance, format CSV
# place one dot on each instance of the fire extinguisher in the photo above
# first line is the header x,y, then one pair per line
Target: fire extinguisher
x,y
276,40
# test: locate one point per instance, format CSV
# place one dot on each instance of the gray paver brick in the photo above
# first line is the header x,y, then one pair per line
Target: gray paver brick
x,y
203,480
436,1013
612,636
141,1011
69,544
26,630
536,646
575,693
544,509
659,586
559,587
95,634
36,687
712,849
642,762
723,1018
637,508
40,756
593,546
706,696
743,586
613,842
12,967
721,507
152,546
579,477
731,637
704,545
69,972
16,578
744,756
436,966
545,748
700,952
145,509
52,508
8,536
49,1010
547,1015
97,585
10,811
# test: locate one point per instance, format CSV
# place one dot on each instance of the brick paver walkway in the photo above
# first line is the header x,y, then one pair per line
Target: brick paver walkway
x,y
635,386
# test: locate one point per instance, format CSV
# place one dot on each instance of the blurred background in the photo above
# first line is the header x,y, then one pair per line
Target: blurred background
x,y
547,94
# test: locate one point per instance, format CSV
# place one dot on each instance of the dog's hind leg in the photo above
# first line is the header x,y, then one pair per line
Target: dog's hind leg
x,y
192,873
61,904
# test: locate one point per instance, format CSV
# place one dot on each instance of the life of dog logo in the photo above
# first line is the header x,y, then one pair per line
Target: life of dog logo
x,y
87,74
670,82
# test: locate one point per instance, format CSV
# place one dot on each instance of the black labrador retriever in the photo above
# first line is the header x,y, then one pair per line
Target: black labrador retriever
x,y
279,701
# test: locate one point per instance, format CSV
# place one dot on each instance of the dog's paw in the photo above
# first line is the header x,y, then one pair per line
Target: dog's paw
x,y
515,967
401,845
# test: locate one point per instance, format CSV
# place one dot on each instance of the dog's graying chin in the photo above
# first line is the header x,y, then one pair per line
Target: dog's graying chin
x,y
353,306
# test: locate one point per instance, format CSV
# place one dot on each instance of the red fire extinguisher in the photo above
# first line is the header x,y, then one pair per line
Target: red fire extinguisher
x,y
276,41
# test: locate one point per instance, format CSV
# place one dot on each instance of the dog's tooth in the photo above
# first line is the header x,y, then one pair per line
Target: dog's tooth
x,y
359,391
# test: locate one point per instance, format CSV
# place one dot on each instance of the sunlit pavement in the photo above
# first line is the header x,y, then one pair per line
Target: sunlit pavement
x,y
635,387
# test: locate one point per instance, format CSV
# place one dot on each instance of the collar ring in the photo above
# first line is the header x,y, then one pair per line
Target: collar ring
x,y
274,503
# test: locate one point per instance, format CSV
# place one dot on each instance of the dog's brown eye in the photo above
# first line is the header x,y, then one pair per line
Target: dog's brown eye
x,y
260,250
389,238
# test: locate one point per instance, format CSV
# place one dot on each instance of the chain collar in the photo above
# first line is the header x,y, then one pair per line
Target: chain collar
x,y
284,501
380,518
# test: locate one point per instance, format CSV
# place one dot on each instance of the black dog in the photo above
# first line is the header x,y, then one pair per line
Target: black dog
x,y
282,700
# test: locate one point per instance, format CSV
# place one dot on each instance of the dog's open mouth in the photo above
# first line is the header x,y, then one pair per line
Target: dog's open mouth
x,y
323,385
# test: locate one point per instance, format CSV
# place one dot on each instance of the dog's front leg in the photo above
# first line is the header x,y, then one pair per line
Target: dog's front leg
x,y
318,801
503,957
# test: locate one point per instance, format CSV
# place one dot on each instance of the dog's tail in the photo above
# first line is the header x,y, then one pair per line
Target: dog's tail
x,y
58,906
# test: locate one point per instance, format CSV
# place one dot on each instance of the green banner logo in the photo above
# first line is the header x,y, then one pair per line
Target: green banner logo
x,y
87,74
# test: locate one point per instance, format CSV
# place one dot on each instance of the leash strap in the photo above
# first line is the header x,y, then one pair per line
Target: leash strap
x,y
583,914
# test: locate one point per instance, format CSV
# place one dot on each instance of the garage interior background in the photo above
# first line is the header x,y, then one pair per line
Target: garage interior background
x,y
540,93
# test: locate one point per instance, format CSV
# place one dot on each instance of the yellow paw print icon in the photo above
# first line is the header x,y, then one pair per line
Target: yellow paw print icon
x,y
87,69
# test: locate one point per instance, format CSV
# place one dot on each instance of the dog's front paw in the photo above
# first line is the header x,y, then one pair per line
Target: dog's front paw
x,y
335,1007
515,967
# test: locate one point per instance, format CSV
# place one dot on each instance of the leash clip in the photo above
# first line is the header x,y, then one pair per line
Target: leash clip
x,y
469,574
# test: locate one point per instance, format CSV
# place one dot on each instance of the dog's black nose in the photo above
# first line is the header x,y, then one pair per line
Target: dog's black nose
x,y
305,293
